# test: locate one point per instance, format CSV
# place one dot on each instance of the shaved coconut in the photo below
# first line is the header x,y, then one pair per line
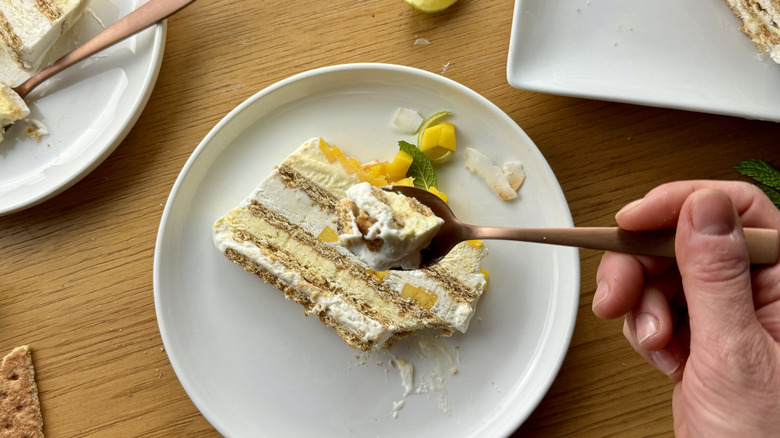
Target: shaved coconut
x,y
514,174
492,174
407,120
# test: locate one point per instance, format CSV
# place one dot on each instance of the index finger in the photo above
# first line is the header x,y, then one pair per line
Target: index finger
x,y
660,208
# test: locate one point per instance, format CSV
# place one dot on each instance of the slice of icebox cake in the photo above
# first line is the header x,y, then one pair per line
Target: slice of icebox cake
x,y
287,233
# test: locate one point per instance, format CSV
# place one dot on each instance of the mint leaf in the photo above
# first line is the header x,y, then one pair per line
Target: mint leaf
x,y
761,171
421,169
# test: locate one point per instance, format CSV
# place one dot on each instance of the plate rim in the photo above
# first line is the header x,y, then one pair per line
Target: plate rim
x,y
509,425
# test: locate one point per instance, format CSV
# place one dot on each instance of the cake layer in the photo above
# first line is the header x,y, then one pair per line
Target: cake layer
x,y
761,22
284,232
29,28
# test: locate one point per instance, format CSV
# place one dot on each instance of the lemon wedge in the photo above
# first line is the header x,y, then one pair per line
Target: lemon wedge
x,y
429,6
438,154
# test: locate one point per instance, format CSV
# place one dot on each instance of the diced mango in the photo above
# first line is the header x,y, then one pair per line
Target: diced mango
x,y
376,168
441,135
328,151
328,235
436,192
430,138
399,166
419,295
487,276
374,180
408,182
475,243
447,139
378,274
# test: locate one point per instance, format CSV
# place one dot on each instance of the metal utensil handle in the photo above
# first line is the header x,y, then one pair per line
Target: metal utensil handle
x,y
148,14
763,244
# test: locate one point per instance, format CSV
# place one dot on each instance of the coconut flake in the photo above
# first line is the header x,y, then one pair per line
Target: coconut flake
x,y
514,174
481,165
421,42
407,120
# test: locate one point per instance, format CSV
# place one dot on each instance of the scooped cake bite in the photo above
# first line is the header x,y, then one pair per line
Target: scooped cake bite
x,y
285,232
385,229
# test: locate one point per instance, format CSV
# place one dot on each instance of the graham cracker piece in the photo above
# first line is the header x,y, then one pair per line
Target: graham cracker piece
x,y
20,409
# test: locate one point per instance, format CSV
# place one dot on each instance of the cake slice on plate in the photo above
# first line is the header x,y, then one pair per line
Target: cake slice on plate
x,y
29,28
286,232
761,22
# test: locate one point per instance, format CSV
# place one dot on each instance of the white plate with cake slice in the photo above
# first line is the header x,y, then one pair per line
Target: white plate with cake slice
x,y
255,365
87,109
679,54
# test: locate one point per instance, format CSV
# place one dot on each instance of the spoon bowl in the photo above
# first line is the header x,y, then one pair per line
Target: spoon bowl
x,y
763,244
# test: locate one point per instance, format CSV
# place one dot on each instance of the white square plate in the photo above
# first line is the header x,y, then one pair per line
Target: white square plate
x,y
681,54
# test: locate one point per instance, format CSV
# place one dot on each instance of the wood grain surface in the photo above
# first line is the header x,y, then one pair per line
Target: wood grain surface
x,y
76,271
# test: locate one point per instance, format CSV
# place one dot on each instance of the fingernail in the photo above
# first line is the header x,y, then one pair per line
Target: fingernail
x,y
665,361
712,213
601,294
630,206
646,326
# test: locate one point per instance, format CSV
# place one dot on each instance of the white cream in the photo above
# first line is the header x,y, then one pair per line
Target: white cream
x,y
36,28
387,243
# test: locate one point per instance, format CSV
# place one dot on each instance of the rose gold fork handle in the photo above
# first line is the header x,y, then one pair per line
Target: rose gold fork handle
x,y
150,13
763,244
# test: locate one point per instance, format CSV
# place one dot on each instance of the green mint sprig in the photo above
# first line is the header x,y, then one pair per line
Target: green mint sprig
x,y
421,169
768,177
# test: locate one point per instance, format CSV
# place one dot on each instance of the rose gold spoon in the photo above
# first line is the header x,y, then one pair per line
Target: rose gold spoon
x,y
150,13
763,244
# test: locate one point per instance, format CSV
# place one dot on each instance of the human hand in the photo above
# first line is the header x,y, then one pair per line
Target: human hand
x,y
708,321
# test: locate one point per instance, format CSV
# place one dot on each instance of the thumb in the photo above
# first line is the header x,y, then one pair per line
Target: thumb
x,y
713,260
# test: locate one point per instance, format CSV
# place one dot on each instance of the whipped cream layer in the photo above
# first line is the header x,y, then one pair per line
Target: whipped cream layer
x,y
28,29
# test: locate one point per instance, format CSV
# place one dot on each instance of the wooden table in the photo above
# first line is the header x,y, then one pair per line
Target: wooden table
x,y
76,271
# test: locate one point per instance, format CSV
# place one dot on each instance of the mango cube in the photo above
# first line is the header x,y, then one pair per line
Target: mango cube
x,y
328,235
436,192
441,135
419,295
399,166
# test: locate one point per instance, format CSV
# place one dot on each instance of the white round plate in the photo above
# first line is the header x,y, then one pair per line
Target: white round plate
x,y
88,110
256,366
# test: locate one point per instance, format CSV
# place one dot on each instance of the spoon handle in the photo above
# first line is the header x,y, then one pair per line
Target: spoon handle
x,y
763,244
148,14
